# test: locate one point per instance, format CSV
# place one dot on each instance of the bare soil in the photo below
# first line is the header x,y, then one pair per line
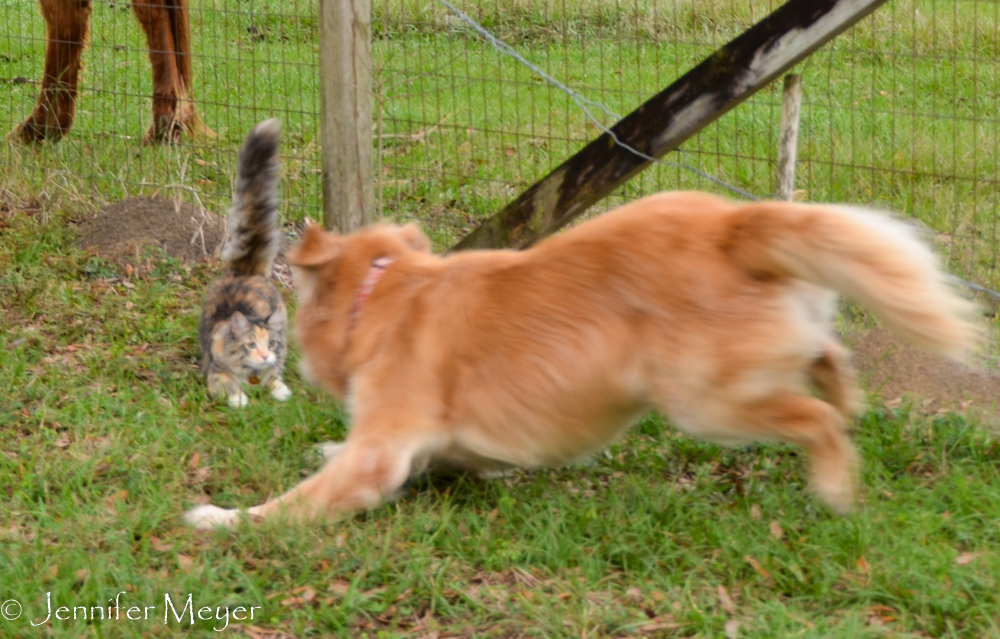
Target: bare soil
x,y
895,371
122,232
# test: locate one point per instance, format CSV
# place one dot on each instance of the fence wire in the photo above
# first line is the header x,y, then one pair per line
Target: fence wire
x,y
900,112
251,60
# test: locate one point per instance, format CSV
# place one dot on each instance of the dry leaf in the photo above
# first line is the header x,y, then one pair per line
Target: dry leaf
x,y
663,622
863,566
195,461
965,558
634,594
776,530
339,587
308,593
756,566
755,513
159,545
53,571
185,562
732,629
726,600
112,501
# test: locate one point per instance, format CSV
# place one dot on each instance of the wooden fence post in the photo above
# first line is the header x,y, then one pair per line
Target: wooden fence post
x,y
345,69
788,144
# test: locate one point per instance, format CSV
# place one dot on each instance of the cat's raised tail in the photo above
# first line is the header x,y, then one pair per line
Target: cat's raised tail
x,y
253,238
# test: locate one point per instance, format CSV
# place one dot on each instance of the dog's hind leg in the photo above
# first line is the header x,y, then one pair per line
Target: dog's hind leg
x,y
835,379
365,472
816,426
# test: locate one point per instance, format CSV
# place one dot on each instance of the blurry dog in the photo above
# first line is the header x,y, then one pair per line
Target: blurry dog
x,y
717,314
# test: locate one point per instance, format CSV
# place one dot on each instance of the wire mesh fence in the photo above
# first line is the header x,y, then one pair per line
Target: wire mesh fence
x,y
899,112
250,60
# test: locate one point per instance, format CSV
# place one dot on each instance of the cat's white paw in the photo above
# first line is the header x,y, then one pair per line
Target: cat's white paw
x,y
207,517
239,400
280,391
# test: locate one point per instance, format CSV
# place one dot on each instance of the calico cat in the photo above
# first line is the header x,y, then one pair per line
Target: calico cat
x,y
243,323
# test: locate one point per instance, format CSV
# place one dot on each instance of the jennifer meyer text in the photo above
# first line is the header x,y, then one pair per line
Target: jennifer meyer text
x,y
171,611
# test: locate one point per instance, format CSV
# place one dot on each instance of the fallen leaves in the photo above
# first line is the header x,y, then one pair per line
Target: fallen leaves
x,y
776,530
662,622
725,600
965,558
863,567
114,500
757,567
880,615
185,562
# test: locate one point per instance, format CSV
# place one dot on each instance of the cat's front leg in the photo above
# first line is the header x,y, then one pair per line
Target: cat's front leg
x,y
228,386
278,389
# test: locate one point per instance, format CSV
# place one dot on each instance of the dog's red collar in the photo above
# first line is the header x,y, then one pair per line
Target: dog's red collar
x,y
375,273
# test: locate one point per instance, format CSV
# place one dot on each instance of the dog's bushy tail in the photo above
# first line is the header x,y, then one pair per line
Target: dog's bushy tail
x,y
869,257
253,239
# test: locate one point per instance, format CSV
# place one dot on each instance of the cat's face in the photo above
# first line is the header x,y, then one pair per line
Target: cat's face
x,y
251,346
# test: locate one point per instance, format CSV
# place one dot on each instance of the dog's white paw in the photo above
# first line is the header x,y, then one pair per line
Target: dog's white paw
x,y
238,400
207,517
280,391
838,493
329,450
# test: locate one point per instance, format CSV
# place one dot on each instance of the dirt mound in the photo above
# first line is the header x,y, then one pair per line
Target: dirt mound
x,y
893,369
121,232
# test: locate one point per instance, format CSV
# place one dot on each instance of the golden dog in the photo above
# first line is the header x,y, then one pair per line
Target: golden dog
x,y
717,314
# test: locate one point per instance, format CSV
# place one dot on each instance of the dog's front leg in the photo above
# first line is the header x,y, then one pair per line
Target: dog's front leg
x,y
365,471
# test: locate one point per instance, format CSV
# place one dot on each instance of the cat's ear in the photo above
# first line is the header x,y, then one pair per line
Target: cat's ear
x,y
316,247
239,323
276,321
415,237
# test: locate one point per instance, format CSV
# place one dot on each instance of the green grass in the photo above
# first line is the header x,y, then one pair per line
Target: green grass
x,y
107,436
900,112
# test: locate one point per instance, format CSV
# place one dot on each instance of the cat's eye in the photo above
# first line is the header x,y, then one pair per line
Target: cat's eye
x,y
252,345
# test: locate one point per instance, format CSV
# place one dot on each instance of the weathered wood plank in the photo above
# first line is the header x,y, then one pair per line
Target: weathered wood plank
x,y
720,82
346,113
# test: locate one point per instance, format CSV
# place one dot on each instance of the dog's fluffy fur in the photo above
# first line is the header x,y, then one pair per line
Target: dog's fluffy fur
x,y
715,313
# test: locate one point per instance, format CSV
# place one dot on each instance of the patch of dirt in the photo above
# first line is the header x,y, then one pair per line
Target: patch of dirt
x,y
120,232
892,369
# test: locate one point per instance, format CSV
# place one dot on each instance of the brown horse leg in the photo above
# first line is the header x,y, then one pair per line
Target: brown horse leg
x,y
168,34
66,25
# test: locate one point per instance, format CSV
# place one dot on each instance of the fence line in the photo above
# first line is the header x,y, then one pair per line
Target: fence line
x,y
902,112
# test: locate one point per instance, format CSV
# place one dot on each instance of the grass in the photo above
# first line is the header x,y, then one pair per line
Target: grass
x,y
899,113
107,435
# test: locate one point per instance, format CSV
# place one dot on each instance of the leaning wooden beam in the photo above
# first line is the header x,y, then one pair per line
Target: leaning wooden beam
x,y
723,80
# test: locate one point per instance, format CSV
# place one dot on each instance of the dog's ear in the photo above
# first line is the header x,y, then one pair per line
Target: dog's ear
x,y
316,247
415,237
